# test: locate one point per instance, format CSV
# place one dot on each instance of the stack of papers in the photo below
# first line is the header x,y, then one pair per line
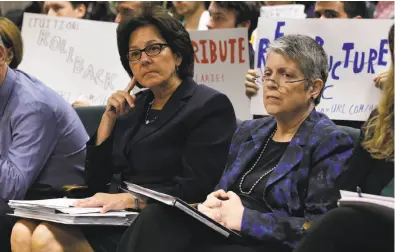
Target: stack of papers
x,y
61,211
379,204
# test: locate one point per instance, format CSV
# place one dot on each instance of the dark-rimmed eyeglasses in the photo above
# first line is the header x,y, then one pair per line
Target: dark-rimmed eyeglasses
x,y
151,50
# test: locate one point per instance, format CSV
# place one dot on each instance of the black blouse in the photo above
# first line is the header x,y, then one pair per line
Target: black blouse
x,y
270,158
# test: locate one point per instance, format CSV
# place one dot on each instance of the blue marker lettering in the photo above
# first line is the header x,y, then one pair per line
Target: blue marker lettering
x,y
278,34
334,76
372,57
358,69
347,47
323,92
319,40
382,52
330,63
262,50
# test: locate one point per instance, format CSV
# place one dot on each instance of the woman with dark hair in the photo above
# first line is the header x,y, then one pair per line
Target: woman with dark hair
x,y
371,168
172,137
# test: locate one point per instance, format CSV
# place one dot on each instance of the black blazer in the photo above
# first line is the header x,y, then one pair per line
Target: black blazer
x,y
182,153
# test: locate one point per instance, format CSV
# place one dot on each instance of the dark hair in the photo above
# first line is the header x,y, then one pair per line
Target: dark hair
x,y
245,11
169,28
354,9
76,3
391,42
95,10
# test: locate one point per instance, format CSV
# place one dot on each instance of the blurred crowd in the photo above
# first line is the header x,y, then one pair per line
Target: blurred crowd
x,y
193,14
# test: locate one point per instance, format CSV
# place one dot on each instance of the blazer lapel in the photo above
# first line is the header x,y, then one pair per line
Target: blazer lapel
x,y
294,152
133,119
171,108
247,152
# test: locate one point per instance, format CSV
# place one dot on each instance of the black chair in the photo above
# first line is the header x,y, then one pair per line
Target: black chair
x,y
352,132
90,117
239,122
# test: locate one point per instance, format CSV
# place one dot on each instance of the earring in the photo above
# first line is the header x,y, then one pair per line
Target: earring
x,y
312,98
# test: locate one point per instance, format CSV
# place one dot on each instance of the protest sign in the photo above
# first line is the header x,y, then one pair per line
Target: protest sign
x,y
283,11
74,59
357,51
221,62
279,11
77,58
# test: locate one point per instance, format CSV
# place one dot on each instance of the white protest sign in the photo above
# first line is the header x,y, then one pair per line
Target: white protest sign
x,y
357,51
283,11
221,62
75,57
279,11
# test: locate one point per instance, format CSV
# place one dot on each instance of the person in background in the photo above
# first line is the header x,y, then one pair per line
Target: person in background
x,y
280,171
173,137
384,10
340,9
224,14
42,140
51,145
71,9
12,41
194,14
371,168
91,10
98,11
127,9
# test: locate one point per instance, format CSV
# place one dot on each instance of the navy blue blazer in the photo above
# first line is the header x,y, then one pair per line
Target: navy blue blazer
x,y
301,188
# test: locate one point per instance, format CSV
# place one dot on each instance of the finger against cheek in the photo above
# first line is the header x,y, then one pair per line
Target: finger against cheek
x,y
129,100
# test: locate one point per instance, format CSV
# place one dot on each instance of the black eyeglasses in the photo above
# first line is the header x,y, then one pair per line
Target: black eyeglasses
x,y
151,50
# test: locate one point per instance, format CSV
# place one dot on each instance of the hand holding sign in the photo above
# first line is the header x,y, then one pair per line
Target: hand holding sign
x,y
117,104
380,79
251,87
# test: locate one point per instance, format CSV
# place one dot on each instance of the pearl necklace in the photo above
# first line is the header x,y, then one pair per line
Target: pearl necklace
x,y
253,166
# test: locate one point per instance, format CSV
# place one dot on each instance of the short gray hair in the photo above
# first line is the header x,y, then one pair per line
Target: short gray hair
x,y
308,54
